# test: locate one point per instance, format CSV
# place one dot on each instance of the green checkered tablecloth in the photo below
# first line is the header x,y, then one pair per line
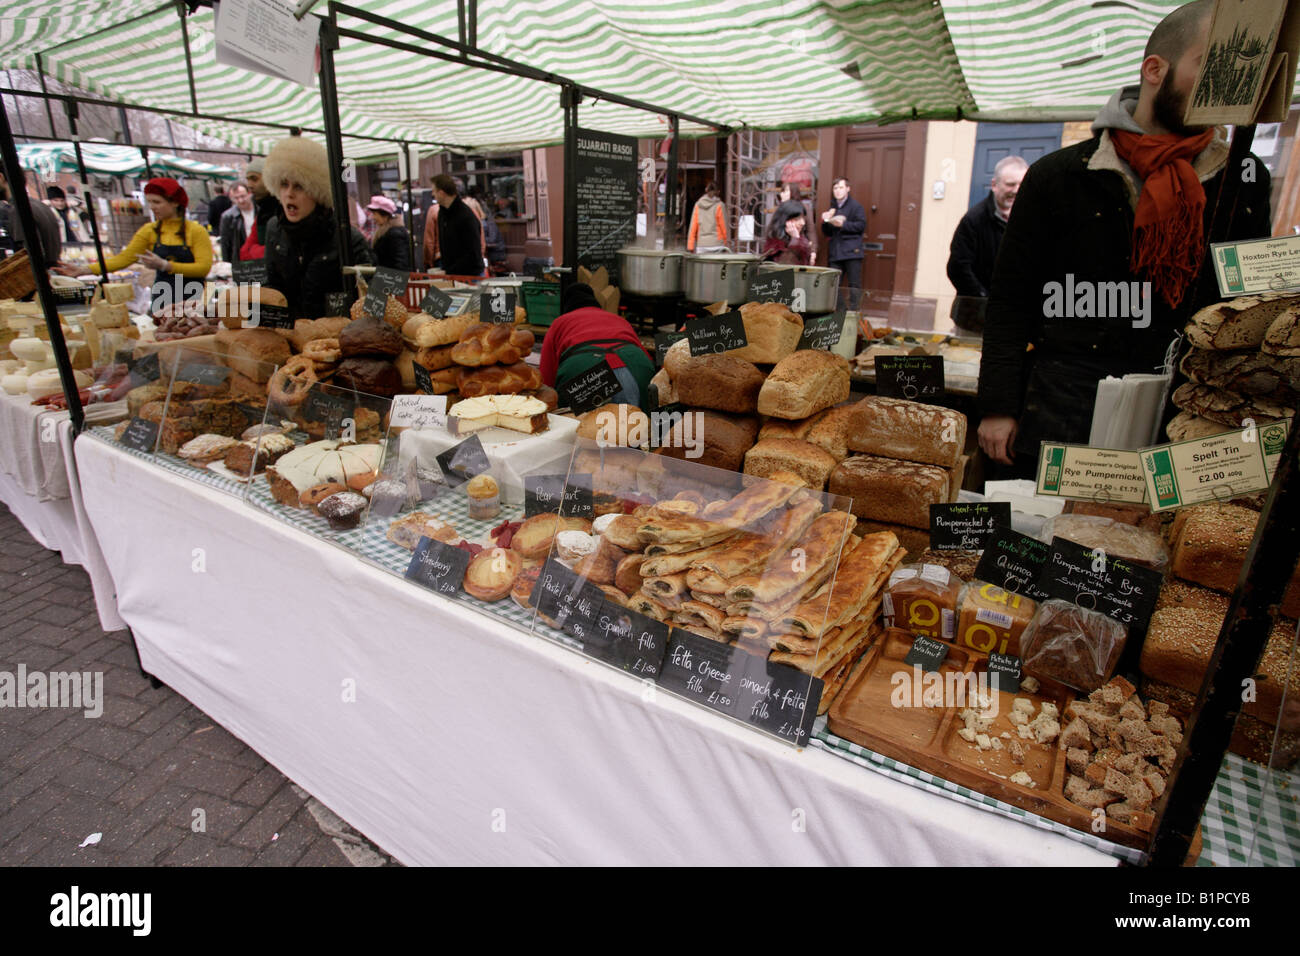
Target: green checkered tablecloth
x,y
179,466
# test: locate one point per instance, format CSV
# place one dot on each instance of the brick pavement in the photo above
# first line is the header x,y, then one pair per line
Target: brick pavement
x,y
163,783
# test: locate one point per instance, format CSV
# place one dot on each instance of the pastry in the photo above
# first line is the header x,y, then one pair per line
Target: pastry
x,y
206,448
254,432
622,532
601,565
323,351
407,531
492,343
571,546
526,415
290,383
909,431
521,592
627,575
804,383
536,534
251,457
313,496
498,380
322,461
342,510
484,497
491,574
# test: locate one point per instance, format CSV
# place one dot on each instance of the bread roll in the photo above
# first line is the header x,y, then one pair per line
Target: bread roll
x,y
908,431
614,424
424,331
805,383
812,464
883,489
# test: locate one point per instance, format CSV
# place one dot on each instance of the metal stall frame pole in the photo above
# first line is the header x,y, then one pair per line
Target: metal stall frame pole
x,y
189,60
410,204
329,94
671,213
32,239
1268,567
148,166
569,99
72,111
45,91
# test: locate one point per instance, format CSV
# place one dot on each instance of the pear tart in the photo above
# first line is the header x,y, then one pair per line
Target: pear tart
x,y
516,412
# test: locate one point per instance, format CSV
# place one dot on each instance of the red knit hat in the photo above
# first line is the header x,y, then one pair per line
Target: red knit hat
x,y
169,189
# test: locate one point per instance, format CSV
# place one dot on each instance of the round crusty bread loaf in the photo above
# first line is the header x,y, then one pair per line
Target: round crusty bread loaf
x,y
368,336
1185,426
1283,336
255,353
1228,407
1239,323
614,424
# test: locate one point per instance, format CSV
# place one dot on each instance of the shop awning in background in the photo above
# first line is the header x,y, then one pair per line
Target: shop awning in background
x,y
50,158
192,168
759,63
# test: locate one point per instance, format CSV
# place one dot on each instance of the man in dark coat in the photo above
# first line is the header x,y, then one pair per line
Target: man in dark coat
x,y
460,234
217,207
844,225
975,244
1106,253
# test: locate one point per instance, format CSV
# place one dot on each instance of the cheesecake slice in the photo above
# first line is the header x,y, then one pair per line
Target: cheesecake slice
x,y
516,412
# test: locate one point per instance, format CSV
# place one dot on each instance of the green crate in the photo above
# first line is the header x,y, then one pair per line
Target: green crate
x,y
541,302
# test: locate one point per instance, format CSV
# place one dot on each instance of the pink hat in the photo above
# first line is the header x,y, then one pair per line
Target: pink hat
x,y
382,204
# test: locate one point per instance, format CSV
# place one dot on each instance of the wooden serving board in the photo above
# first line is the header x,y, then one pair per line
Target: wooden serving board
x,y
926,737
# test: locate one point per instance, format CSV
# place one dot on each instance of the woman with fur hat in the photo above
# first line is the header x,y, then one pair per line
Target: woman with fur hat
x,y
169,244
302,259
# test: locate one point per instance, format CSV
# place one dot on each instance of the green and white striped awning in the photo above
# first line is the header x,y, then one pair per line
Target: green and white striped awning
x,y
759,63
192,168
50,158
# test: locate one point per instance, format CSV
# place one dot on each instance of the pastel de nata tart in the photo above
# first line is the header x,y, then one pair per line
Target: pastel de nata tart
x,y
515,412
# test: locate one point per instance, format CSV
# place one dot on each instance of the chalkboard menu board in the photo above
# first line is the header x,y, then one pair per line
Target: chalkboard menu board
x,y
605,179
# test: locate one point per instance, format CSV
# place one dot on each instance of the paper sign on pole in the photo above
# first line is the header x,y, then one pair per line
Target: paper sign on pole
x,y
1248,71
263,36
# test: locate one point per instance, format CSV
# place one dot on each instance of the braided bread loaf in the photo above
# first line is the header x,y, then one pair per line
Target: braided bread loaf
x,y
489,343
499,380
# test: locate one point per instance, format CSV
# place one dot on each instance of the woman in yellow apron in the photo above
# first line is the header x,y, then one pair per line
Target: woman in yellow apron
x,y
171,243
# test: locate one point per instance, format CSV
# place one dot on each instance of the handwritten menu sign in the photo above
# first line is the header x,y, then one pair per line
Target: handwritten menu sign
x,y
967,525
320,406
1004,672
606,196
927,653
383,283
1013,562
775,285
628,640
144,370
917,378
663,342
461,462
337,303
569,495
418,412
703,671
568,600
248,271
435,302
201,374
263,316
822,333
497,305
712,334
422,380
778,698
140,435
1096,581
438,566
591,389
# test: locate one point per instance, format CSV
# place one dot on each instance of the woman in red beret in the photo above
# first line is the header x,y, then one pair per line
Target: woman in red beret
x,y
171,243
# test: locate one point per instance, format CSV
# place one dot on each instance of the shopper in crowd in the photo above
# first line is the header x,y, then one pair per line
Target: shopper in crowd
x,y
390,242
172,243
494,246
976,241
787,237
70,222
217,207
48,227
430,246
1107,216
302,255
585,336
794,193
239,221
268,208
844,224
460,234
708,231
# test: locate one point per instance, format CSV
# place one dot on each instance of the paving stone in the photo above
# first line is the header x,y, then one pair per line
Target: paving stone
x,y
285,850
145,851
221,818
278,811
93,776
197,849
156,744
60,616
39,775
215,741
220,777
323,853
122,711
260,789
28,814
22,847
161,713
104,740
42,630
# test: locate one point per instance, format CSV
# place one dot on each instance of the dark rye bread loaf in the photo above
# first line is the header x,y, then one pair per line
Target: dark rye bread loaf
x,y
1239,323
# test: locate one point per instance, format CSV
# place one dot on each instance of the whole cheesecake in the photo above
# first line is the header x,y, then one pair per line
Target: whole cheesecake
x,y
516,412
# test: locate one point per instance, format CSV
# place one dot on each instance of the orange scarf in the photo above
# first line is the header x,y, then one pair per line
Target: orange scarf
x,y
1168,229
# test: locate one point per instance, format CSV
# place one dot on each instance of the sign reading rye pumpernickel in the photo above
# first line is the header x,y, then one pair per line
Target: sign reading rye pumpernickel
x,y
917,378
778,698
248,271
592,389
605,196
967,525
703,671
435,302
1004,673
822,333
1013,561
569,495
1094,580
438,566
141,435
714,334
926,653
628,640
663,342
497,305
571,602
383,283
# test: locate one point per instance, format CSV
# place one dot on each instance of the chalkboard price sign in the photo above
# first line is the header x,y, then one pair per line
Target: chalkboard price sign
x,y
823,332
320,406
926,652
422,380
201,374
462,462
591,389
438,566
1013,562
435,302
703,671
967,525
775,285
778,698
1097,582
337,303
569,495
263,316
663,342
497,305
917,378
717,333
628,640
1004,673
568,600
145,369
140,435
383,283
606,197
248,271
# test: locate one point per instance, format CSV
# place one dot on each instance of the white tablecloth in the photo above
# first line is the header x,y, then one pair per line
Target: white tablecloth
x,y
469,742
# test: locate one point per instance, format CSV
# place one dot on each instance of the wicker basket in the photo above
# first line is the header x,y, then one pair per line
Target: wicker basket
x,y
16,277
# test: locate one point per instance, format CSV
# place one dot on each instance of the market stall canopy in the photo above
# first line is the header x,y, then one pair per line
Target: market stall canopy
x,y
192,168
760,63
103,158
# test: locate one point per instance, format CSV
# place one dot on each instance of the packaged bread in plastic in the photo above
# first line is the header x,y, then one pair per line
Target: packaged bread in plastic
x,y
991,619
1072,645
1119,540
922,599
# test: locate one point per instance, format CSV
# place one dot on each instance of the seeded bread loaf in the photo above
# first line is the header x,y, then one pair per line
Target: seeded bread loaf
x,y
909,431
1238,323
1251,738
803,384
830,431
884,489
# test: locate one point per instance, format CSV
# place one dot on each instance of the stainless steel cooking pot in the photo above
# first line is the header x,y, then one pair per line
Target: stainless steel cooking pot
x,y
650,271
820,286
719,277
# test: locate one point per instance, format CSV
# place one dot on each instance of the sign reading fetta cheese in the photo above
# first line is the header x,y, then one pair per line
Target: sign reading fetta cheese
x,y
1257,265
1103,475
1216,468
418,412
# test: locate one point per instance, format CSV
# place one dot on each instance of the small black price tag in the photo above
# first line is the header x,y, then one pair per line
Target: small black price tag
x,y
591,389
714,334
437,566
929,654
435,302
144,370
570,601
140,435
1097,582
967,525
422,379
778,698
917,378
628,640
263,316
822,333
320,406
252,414
663,342
338,303
1004,673
497,305
774,285
569,495
201,374
383,283
248,272
664,420
462,462
1013,562
703,671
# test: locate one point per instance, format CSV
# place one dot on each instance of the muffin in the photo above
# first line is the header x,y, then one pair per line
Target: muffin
x,y
484,496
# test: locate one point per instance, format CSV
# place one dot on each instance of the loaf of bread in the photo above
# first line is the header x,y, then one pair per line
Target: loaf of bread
x,y
309,330
677,357
922,599
771,455
498,380
771,330
1186,426
256,353
1245,373
914,540
960,563
781,428
1283,337
424,331
830,430
909,431
368,336
395,312
1252,738
369,375
1228,407
719,382
725,438
1210,544
1072,645
664,388
884,489
1238,323
1117,539
614,424
492,343
992,620
804,383
435,357
1175,592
